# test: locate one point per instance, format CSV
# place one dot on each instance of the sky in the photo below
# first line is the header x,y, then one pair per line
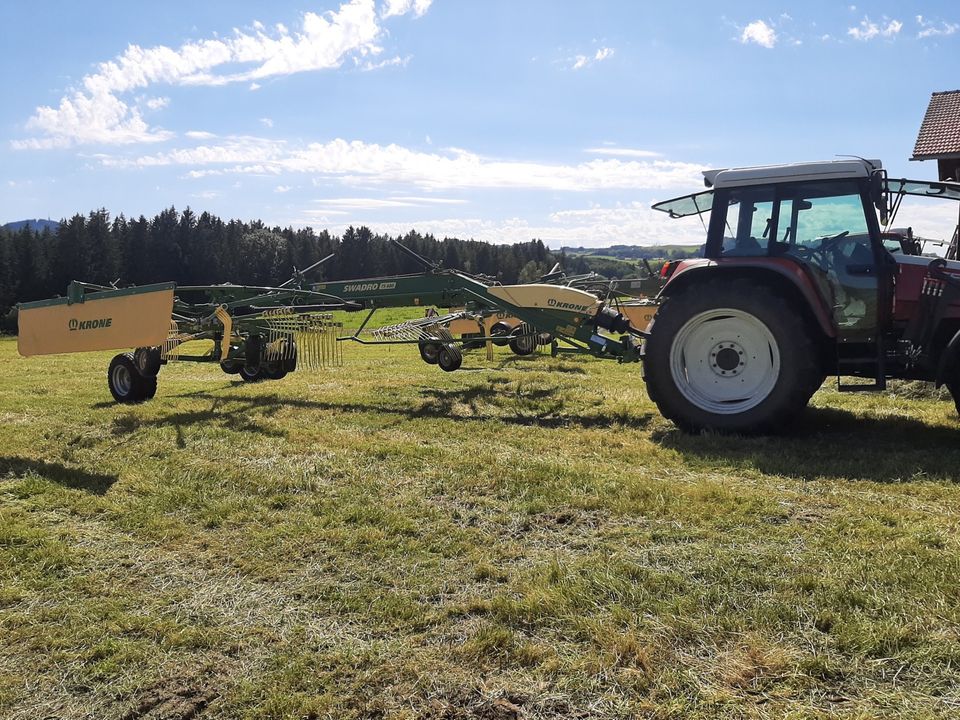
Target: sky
x,y
498,120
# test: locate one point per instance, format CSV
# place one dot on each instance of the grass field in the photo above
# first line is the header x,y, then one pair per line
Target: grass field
x,y
525,538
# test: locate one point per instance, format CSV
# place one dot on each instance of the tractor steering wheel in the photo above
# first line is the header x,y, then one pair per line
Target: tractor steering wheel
x,y
829,241
809,253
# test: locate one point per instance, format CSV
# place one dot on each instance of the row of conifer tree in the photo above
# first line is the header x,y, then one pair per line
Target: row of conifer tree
x,y
203,249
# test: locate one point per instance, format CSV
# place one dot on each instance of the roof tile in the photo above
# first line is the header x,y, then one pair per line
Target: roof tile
x,y
940,131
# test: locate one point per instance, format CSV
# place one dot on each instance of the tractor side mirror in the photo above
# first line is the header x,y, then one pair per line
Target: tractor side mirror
x,y
878,194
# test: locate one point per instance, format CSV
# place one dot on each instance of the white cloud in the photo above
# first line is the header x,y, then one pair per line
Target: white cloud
x,y
357,161
94,112
254,86
603,53
199,135
934,29
361,204
239,149
282,188
330,205
623,152
397,61
634,223
868,30
431,200
581,61
157,103
266,122
760,33
402,7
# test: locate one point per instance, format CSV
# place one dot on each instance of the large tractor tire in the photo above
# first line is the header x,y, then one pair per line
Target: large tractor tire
x,y
731,357
953,385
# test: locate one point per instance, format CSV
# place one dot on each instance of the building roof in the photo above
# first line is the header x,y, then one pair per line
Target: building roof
x,y
940,132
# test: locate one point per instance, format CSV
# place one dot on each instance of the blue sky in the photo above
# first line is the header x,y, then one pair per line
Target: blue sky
x,y
498,120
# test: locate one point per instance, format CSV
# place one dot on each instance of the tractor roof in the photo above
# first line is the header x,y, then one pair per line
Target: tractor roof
x,y
823,170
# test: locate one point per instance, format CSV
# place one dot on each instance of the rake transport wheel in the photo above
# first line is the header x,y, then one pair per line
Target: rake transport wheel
x,y
522,341
430,352
449,358
501,331
147,360
732,357
231,367
251,375
126,383
274,370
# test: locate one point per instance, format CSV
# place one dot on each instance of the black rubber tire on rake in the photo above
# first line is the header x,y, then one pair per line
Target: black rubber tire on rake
x,y
126,383
429,351
449,358
501,330
522,341
250,376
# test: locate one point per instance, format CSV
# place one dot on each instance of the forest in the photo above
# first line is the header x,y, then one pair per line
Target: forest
x,y
204,249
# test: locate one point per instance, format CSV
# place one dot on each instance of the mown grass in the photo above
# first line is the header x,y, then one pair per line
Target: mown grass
x,y
523,538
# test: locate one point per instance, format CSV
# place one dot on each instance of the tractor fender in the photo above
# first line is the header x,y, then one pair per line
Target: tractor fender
x,y
775,272
949,360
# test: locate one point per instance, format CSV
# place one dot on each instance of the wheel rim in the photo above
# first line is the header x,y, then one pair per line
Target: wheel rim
x,y
122,380
725,361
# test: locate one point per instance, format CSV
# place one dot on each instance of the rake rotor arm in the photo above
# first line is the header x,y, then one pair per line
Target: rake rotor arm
x,y
415,256
298,275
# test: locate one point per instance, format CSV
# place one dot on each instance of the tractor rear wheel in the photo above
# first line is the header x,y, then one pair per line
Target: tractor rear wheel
x,y
953,385
730,356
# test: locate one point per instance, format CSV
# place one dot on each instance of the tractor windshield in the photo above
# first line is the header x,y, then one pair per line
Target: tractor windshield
x,y
949,191
924,225
687,205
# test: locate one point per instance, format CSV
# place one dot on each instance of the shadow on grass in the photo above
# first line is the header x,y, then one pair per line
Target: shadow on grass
x,y
96,483
831,443
461,405
536,363
238,419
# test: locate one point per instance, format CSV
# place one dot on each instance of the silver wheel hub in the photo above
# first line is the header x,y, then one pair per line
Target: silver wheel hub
x,y
122,380
725,361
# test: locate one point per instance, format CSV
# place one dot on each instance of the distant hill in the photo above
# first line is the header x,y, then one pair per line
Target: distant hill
x,y
638,252
35,224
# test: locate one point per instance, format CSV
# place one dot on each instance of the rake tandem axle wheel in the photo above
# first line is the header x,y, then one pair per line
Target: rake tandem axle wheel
x,y
126,383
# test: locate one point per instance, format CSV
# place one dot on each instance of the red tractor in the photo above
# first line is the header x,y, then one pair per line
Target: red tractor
x,y
802,277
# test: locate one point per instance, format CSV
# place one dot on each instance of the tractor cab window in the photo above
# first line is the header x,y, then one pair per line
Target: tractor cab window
x,y
824,226
815,220
749,223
